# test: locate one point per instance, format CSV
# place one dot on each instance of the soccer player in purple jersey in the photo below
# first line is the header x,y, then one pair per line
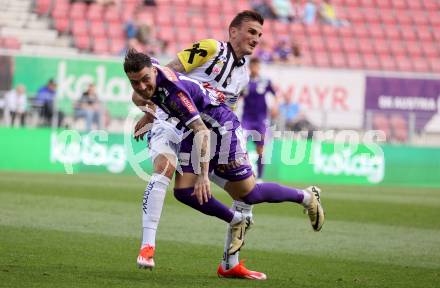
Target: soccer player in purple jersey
x,y
210,122
255,108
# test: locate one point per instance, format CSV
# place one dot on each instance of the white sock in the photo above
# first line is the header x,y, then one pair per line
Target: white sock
x,y
229,261
152,204
307,198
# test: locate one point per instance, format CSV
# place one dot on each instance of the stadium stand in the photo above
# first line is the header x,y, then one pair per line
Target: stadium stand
x,y
392,35
22,29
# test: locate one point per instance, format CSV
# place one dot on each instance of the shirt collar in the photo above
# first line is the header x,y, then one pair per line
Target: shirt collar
x,y
237,62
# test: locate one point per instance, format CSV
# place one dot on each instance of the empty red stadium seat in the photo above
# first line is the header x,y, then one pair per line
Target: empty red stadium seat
x,y
400,4
383,4
97,29
11,43
408,33
414,49
199,33
387,62
321,59
361,31
43,6
166,33
354,61
397,48
403,63
388,17
334,44
338,60
376,31
372,15
115,31
431,5
280,27
366,46
435,65
95,11
419,17
371,61
62,24
82,42
381,46
317,44
414,5
392,32
349,45
313,30
431,50
112,14
79,27
421,65
77,10
100,46
424,33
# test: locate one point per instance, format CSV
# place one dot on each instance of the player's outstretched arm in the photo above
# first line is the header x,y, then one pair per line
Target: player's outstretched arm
x,y
202,189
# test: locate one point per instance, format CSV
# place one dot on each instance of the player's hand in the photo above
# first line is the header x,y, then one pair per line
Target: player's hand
x,y
202,189
143,126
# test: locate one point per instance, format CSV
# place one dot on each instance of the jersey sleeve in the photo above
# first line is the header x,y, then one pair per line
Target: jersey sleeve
x,y
197,55
183,106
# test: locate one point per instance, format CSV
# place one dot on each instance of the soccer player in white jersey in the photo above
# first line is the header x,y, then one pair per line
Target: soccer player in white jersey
x,y
221,67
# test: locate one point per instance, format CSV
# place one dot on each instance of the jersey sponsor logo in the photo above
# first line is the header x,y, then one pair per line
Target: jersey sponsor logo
x,y
196,51
186,102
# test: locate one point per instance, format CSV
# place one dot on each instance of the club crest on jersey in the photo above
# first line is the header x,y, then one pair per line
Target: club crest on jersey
x,y
186,102
218,67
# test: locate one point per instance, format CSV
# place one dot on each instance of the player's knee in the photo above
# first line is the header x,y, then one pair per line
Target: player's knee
x,y
164,166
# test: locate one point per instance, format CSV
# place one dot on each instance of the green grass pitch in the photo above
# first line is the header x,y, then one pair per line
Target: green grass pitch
x,y
84,231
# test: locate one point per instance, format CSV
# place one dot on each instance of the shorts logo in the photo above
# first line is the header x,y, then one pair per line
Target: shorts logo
x,y
243,172
186,102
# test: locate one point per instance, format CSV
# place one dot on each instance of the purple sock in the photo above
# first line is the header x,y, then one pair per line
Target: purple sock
x,y
211,208
273,193
260,167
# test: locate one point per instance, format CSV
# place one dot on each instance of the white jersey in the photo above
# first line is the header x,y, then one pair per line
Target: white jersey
x,y
215,64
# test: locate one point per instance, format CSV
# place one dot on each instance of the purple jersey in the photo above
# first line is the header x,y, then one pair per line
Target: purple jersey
x,y
255,106
187,100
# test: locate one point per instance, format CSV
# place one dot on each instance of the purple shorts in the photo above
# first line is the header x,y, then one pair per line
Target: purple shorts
x,y
250,127
229,160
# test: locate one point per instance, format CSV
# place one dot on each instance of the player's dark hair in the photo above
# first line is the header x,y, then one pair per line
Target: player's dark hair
x,y
254,60
246,15
135,61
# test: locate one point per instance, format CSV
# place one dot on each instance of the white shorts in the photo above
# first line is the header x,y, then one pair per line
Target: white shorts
x,y
163,138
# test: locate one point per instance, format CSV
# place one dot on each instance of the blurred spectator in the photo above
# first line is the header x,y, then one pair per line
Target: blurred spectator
x,y
287,52
45,100
297,11
283,10
89,108
264,8
15,105
309,13
141,35
264,53
327,14
149,2
293,118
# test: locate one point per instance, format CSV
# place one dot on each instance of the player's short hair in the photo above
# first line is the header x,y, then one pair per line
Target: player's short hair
x,y
135,61
246,15
254,60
